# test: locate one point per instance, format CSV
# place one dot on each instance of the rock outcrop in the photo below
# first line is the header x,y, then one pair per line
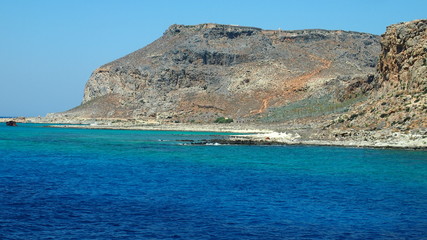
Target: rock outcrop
x,y
198,73
11,123
400,103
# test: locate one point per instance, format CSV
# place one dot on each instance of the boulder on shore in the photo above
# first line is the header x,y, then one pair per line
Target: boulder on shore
x,y
11,123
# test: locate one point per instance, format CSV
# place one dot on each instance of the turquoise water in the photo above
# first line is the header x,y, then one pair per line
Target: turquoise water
x,y
108,184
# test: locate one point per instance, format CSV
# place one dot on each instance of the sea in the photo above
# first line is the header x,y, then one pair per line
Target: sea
x,y
62,183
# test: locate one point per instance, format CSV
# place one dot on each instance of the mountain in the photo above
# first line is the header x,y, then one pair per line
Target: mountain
x,y
202,72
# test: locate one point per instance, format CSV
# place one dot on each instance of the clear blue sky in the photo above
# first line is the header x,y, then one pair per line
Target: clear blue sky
x,y
48,49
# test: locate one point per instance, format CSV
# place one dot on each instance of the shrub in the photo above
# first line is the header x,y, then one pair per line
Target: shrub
x,y
223,120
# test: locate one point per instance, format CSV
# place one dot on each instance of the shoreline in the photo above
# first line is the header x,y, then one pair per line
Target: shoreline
x,y
253,136
262,134
326,143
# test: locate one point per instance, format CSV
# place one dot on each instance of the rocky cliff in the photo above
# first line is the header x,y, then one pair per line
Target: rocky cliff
x,y
400,103
198,73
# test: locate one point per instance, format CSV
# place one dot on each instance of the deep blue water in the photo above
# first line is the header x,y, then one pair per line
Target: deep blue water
x,y
112,184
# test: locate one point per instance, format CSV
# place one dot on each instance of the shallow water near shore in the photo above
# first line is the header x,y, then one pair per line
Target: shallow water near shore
x,y
101,184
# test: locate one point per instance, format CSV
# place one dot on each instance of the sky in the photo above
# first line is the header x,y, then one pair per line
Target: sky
x,y
49,48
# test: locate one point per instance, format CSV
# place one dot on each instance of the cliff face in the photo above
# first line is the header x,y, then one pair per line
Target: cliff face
x,y
403,58
401,100
197,73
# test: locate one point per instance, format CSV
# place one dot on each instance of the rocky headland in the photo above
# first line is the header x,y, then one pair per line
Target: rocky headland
x,y
318,86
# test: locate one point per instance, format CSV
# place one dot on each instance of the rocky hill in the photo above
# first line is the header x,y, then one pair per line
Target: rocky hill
x,y
400,103
198,73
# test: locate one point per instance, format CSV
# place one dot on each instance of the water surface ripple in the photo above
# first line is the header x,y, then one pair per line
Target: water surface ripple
x,y
105,184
